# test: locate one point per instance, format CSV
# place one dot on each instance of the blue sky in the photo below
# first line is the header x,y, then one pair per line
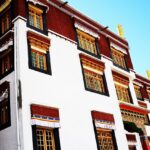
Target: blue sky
x,y
133,15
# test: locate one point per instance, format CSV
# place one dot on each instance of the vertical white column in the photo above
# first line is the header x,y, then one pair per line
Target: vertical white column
x,y
19,44
119,131
132,92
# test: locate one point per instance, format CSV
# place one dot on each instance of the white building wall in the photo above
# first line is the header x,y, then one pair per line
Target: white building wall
x,y
64,89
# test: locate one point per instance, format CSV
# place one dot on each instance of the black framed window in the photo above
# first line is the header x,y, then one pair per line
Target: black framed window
x,y
6,62
39,56
37,18
87,43
119,58
4,105
138,92
5,21
93,75
45,138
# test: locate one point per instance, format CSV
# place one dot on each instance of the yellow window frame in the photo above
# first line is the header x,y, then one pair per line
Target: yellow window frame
x,y
36,12
86,41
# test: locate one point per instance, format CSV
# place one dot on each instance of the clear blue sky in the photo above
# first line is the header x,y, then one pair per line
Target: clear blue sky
x,y
133,15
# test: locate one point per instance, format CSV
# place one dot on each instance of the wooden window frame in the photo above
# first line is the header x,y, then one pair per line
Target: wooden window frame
x,y
3,104
37,10
126,89
9,56
5,21
148,93
90,41
123,65
55,136
103,80
45,53
138,92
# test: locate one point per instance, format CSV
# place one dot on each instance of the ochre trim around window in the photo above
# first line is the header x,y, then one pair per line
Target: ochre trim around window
x,y
36,39
93,63
120,78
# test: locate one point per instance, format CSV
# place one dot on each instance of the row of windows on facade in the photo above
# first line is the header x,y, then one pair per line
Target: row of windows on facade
x,y
93,73
94,81
46,138
86,42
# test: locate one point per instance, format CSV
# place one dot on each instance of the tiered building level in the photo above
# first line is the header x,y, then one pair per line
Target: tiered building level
x,y
67,82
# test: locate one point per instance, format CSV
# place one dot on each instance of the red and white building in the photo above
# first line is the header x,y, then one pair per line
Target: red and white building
x,y
67,82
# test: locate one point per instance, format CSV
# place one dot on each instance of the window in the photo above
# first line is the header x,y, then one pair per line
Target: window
x,y
138,92
45,139
93,75
118,58
45,127
87,42
35,17
148,91
7,62
122,87
39,58
104,125
105,139
4,106
4,4
5,22
122,93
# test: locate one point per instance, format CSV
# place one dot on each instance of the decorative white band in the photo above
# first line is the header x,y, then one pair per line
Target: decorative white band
x,y
118,48
6,45
105,124
85,29
45,123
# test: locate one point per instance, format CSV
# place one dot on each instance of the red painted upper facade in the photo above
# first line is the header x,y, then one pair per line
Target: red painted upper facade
x,y
61,20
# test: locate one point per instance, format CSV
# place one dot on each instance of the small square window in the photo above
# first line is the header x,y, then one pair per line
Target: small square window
x,y
87,42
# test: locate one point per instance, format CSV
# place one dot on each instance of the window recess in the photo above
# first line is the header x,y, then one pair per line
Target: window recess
x,y
37,17
104,127
122,88
6,62
93,74
87,43
4,106
5,21
138,92
39,58
118,58
45,127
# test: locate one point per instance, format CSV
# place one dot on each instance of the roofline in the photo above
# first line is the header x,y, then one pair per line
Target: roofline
x,y
74,13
